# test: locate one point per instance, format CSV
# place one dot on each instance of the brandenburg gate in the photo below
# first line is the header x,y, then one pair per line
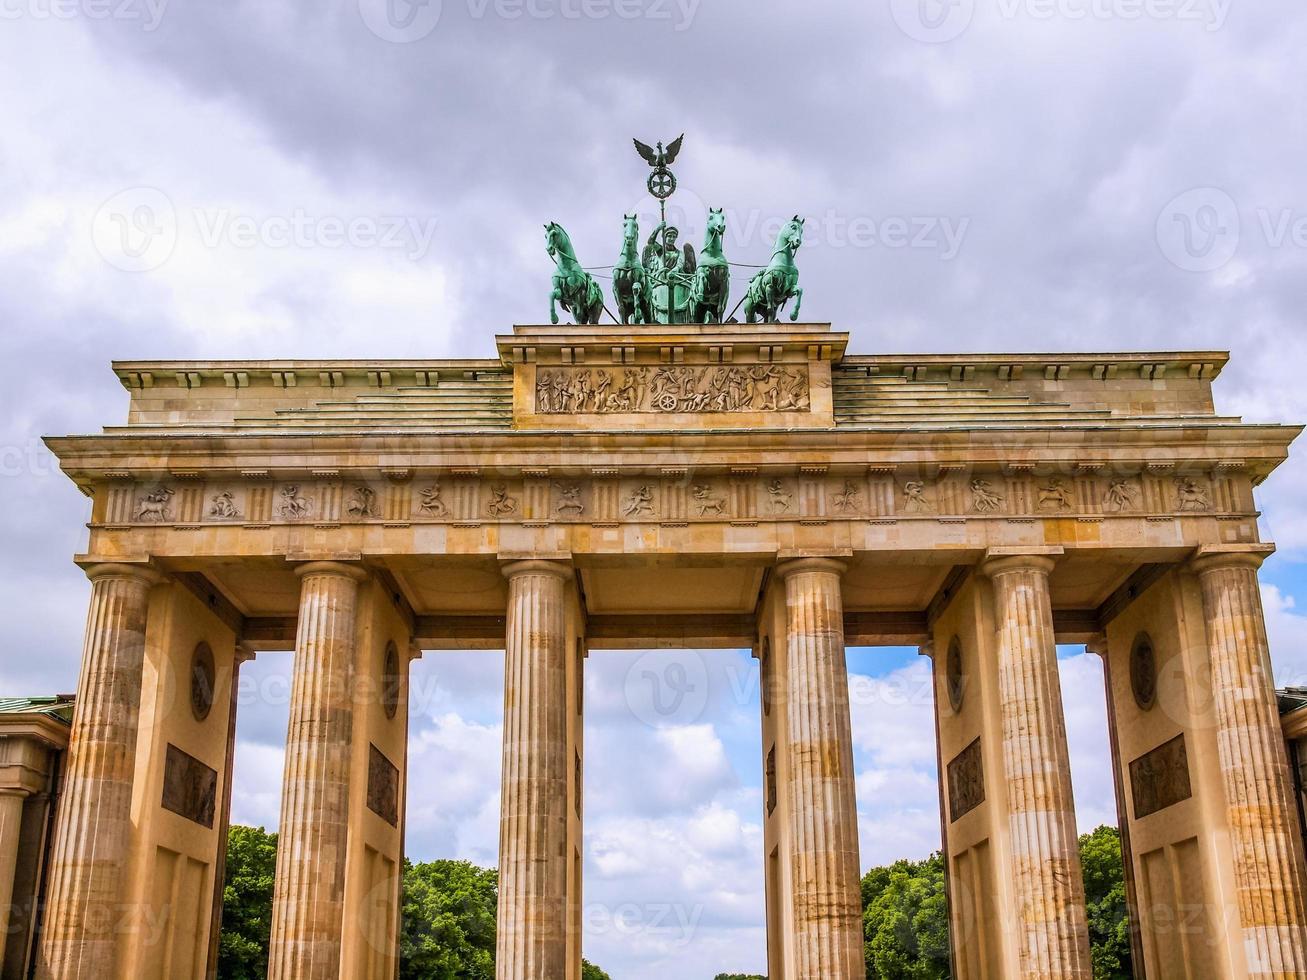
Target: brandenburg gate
x,y
709,486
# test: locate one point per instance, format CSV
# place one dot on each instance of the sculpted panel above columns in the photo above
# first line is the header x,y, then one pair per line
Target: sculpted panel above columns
x,y
741,494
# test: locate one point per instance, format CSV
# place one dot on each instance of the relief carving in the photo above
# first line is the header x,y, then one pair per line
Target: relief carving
x,y
1121,495
1160,778
1055,495
383,786
756,388
569,499
1193,496
914,498
190,788
706,502
984,498
363,503
848,500
501,503
639,503
294,505
224,506
431,503
966,782
156,506
781,499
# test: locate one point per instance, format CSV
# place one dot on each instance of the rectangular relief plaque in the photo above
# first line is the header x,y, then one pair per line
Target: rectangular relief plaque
x,y
383,786
673,390
966,782
1160,778
190,788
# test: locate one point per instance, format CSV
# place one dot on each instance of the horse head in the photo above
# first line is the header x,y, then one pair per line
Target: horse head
x,y
716,227
630,229
556,240
790,240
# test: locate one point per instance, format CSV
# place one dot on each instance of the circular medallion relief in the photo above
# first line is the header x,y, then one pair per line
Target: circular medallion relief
x,y
955,680
1143,672
204,676
391,681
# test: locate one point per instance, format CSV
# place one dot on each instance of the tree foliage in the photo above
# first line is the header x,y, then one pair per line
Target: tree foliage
x,y
447,926
905,914
247,904
905,920
1105,900
447,909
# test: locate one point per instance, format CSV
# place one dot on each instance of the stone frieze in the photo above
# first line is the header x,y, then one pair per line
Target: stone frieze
x,y
680,389
671,496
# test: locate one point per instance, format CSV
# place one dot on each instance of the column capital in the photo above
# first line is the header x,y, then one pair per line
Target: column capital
x,y
140,572
339,569
1000,560
538,566
811,563
1211,557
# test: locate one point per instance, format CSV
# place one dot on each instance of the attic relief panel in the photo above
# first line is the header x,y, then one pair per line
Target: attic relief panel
x,y
672,390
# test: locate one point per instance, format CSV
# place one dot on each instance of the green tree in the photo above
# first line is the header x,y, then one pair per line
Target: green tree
x,y
1105,900
905,921
591,972
447,929
738,976
247,904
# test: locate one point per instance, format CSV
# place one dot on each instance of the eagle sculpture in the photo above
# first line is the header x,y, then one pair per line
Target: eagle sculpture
x,y
660,158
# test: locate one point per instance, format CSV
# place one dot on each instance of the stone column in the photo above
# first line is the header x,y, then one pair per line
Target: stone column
x,y
11,822
533,858
1052,933
308,903
827,901
84,905
1268,855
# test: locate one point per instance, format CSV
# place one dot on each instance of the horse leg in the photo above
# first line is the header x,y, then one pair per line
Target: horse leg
x,y
554,297
798,302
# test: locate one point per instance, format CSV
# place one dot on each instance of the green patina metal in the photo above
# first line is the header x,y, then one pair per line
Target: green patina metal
x,y
574,289
777,284
667,282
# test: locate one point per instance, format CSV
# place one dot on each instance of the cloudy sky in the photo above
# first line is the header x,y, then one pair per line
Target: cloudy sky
x,y
367,178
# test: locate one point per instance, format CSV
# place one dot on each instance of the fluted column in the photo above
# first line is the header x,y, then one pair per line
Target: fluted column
x,y
11,823
533,807
827,897
1052,932
1268,855
84,908
309,896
